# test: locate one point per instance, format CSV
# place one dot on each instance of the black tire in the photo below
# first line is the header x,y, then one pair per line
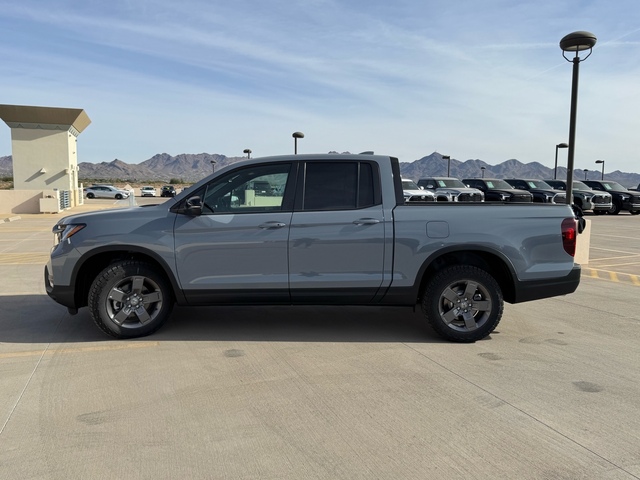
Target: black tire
x,y
615,208
118,196
130,299
463,303
634,212
90,195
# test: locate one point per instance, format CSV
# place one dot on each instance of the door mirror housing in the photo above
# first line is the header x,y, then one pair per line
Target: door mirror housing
x,y
193,206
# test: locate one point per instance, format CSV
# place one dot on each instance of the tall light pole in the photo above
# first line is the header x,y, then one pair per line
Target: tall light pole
x,y
448,159
602,162
213,166
248,152
296,136
555,168
585,173
575,42
482,169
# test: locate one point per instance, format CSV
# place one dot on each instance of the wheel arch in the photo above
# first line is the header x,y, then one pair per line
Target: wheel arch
x,y
97,260
492,262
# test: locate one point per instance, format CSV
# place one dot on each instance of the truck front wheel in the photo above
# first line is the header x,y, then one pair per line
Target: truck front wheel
x,y
615,208
463,303
130,299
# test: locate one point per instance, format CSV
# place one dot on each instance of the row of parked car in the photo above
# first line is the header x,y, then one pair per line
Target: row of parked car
x,y
165,191
109,191
598,196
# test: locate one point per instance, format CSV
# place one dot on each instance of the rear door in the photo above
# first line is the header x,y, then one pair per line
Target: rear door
x,y
337,235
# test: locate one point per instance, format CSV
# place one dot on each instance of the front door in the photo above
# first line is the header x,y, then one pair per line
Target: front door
x,y
236,250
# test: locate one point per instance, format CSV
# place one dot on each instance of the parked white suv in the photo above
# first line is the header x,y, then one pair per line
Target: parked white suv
x,y
413,193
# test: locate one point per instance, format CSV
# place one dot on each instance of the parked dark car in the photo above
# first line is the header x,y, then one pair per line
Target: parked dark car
x,y
584,197
168,191
623,199
542,192
497,190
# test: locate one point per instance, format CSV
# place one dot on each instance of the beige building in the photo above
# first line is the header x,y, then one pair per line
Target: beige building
x,y
44,150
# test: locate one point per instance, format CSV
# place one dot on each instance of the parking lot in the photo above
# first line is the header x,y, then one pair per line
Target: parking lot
x,y
322,392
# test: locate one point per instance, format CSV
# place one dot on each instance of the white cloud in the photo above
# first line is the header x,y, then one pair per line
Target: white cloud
x,y
473,79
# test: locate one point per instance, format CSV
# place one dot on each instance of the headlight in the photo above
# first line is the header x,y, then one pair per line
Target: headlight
x,y
64,231
624,198
504,196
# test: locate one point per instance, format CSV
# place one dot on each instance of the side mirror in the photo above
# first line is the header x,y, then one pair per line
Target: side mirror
x,y
194,206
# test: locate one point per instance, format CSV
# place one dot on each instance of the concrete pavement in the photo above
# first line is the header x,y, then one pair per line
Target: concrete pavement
x,y
322,392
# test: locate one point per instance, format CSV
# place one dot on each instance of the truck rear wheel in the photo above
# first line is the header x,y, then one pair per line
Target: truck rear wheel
x,y
463,303
130,299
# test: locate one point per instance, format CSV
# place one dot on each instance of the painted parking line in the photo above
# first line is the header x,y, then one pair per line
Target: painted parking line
x,y
611,276
24,258
44,228
102,348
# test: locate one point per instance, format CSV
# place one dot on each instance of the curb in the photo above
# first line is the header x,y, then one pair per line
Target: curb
x,y
11,219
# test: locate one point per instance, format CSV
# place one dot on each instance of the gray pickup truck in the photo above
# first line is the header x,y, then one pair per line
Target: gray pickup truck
x,y
332,230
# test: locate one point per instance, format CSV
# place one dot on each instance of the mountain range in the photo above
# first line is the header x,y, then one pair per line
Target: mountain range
x,y
189,168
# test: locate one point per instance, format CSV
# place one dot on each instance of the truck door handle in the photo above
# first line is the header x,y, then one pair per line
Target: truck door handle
x,y
366,221
270,225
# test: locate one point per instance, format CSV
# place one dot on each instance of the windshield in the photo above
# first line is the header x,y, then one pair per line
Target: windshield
x,y
498,184
580,186
615,186
409,185
450,183
540,184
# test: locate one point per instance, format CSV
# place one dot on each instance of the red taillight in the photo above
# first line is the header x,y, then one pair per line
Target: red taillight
x,y
569,235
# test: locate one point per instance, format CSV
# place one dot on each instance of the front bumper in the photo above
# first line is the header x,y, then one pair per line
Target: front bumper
x,y
632,207
63,294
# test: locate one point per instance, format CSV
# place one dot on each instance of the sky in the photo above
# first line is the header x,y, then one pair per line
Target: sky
x,y
473,79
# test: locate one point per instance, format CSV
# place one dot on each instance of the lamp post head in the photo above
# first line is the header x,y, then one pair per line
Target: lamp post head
x,y
297,135
446,157
578,41
599,161
562,145
248,152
